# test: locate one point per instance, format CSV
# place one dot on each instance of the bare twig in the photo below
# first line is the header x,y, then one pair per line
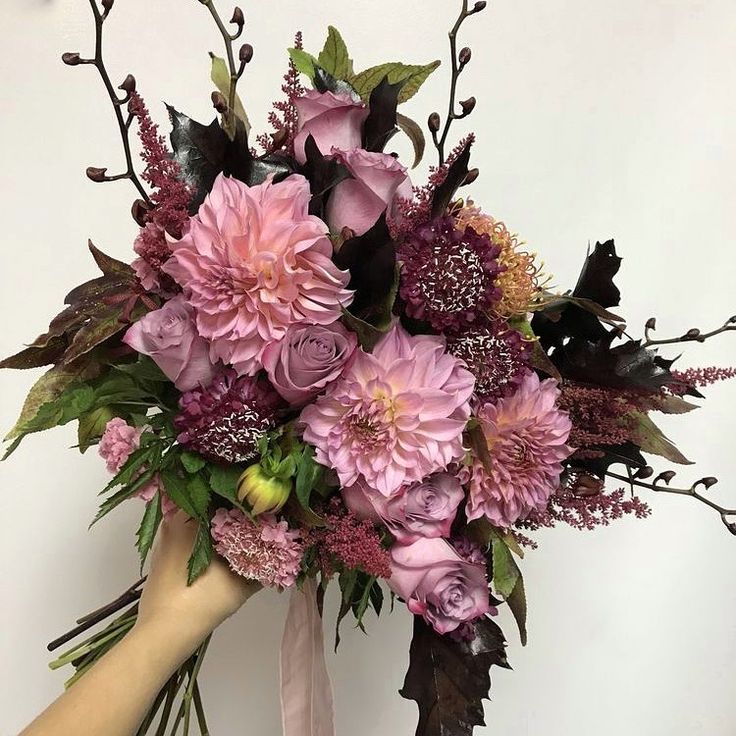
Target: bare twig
x,y
459,61
693,335
128,87
661,485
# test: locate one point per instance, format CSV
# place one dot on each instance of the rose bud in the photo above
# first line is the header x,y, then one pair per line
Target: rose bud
x,y
263,492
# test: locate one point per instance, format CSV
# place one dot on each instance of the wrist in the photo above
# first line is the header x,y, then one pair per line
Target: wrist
x,y
167,640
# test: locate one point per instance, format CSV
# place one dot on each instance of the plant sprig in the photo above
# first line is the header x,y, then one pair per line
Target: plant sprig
x,y
692,335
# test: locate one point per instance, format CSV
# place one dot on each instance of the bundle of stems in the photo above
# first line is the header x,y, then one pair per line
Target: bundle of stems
x,y
171,712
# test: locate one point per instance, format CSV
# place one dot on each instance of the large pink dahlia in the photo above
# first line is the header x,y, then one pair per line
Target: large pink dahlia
x,y
395,416
253,262
526,434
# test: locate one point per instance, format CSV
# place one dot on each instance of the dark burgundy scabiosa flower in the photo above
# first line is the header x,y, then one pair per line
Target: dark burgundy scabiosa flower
x,y
496,354
225,421
448,276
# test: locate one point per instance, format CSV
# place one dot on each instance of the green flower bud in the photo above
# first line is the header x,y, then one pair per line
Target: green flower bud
x,y
263,492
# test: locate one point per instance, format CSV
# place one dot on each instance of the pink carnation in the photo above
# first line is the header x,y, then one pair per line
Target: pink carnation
x,y
254,262
395,416
118,442
264,550
526,434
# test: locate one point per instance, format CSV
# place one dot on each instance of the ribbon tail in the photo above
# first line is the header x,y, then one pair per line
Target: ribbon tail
x,y
306,691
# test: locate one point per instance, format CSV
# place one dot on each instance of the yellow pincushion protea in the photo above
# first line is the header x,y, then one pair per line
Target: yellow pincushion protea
x,y
522,280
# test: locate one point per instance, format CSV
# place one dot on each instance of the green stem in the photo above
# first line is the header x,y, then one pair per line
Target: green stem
x,y
199,708
189,694
85,649
175,684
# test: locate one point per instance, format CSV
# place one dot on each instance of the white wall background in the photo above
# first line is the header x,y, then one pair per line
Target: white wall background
x,y
596,119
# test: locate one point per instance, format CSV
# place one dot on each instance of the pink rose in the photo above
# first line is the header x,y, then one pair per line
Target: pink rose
x,y
436,583
170,337
422,510
307,359
357,203
333,120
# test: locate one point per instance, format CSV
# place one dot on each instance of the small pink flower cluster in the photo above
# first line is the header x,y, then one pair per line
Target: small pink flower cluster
x,y
264,550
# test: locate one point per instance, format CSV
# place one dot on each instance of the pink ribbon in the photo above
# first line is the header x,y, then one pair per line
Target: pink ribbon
x,y
306,692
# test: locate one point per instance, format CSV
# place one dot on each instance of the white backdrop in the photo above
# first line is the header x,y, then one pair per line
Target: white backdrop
x,y
596,119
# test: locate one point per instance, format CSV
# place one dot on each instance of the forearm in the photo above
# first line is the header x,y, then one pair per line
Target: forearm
x,y
114,696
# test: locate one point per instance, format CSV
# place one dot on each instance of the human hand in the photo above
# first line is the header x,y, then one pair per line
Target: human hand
x,y
176,609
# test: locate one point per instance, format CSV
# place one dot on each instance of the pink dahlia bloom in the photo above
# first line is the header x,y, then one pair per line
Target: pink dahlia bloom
x,y
264,550
526,435
394,416
254,262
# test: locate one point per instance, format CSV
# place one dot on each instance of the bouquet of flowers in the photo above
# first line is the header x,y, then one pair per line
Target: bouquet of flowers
x,y
341,375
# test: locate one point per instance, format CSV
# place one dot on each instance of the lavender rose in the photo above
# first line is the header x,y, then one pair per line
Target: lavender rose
x,y
357,203
333,120
308,358
422,510
436,583
170,337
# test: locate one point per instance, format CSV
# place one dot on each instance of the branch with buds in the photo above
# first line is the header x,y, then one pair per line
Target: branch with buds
x,y
94,173
459,62
226,106
692,335
661,484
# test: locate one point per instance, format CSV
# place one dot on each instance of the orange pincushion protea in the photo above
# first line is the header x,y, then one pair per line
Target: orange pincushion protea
x,y
520,281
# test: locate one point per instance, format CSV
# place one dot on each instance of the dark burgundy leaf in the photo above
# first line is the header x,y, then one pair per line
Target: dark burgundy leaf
x,y
456,175
449,679
325,82
35,357
371,260
323,174
381,123
627,454
596,279
200,152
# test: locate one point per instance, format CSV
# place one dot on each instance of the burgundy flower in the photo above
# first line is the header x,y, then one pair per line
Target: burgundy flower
x,y
495,354
225,421
448,277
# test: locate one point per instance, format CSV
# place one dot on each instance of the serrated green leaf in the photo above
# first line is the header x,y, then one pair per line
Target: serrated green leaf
x,y
334,57
149,526
505,570
178,491
201,553
144,369
652,440
303,62
413,76
92,425
131,467
224,481
199,493
517,604
308,474
126,492
220,75
192,462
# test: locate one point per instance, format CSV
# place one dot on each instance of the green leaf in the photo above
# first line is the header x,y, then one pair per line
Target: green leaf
x,y
199,493
674,405
303,62
334,57
413,77
224,481
48,388
201,554
192,462
144,369
220,75
414,132
179,492
652,440
92,425
517,604
309,473
505,570
149,526
124,494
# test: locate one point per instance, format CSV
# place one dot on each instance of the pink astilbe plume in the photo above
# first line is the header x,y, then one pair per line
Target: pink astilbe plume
x,y
264,549
351,542
284,116
700,377
171,198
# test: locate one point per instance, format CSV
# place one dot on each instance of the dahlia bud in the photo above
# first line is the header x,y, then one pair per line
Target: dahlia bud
x,y
71,58
246,53
464,56
263,492
434,122
96,174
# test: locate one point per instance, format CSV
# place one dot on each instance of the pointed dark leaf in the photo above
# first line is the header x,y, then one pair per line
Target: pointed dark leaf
x,y
325,82
449,679
381,123
455,177
371,260
627,454
35,357
323,173
107,264
200,152
596,279
415,134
